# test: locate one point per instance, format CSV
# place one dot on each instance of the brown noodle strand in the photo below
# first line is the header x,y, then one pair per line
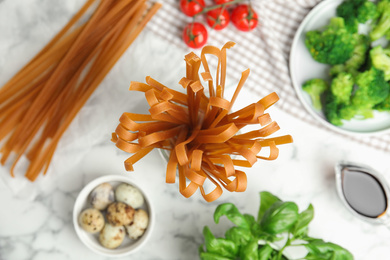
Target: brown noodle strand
x,y
49,91
201,134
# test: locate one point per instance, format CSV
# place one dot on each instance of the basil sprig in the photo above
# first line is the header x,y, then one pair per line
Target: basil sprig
x,y
254,239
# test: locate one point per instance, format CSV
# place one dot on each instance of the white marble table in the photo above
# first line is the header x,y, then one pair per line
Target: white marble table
x,y
35,220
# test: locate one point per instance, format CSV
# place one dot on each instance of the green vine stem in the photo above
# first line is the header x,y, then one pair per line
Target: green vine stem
x,y
212,7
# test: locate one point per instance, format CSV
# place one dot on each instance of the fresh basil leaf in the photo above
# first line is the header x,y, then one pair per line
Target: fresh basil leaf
x,y
240,236
212,256
250,251
250,219
269,237
265,252
326,250
266,201
232,213
201,249
277,257
280,217
304,218
219,246
314,257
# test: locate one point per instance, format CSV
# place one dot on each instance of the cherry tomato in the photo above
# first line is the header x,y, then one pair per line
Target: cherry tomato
x,y
244,18
195,35
218,18
219,2
191,7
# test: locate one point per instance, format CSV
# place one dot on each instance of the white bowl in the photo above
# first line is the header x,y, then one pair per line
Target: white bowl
x,y
128,246
303,67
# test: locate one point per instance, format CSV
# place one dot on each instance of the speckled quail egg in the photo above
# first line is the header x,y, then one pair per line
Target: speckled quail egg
x,y
139,224
102,196
129,194
91,220
120,214
112,236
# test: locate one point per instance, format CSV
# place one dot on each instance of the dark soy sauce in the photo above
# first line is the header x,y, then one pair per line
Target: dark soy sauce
x,y
364,193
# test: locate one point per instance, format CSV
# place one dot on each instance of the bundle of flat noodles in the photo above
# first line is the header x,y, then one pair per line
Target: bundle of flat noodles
x,y
41,100
204,139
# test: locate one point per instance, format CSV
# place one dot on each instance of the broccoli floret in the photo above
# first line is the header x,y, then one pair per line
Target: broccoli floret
x,y
341,87
332,46
337,69
359,53
338,99
353,64
384,105
355,12
347,112
382,25
366,11
372,89
331,109
315,88
381,60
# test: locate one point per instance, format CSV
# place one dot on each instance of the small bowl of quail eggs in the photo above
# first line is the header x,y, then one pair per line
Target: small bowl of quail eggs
x,y
112,216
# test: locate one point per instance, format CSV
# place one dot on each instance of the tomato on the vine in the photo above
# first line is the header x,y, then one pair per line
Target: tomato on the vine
x,y
218,18
219,2
195,35
191,7
244,18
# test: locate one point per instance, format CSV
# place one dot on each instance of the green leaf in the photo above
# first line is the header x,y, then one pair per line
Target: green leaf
x,y
219,246
318,249
301,226
232,213
265,252
269,237
250,251
250,219
280,217
212,256
201,249
266,201
240,236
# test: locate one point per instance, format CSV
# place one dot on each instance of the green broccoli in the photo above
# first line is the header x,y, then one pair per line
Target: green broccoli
x,y
372,89
335,112
338,99
359,53
336,69
353,64
334,45
384,105
331,109
382,25
372,92
366,12
380,59
347,112
315,88
355,12
341,87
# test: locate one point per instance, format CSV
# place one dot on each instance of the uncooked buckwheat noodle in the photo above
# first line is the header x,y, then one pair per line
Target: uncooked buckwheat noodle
x,y
38,104
205,140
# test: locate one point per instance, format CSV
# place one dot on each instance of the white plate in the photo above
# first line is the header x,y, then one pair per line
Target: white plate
x,y
303,67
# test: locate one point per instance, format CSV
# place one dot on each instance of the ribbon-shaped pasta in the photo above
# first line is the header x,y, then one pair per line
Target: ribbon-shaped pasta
x,y
205,139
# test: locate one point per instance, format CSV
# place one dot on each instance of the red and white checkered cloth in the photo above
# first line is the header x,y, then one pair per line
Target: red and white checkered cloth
x,y
265,51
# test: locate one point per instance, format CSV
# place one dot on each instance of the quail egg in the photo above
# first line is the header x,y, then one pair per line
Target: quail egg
x,y
120,214
129,194
139,224
91,220
112,236
102,196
